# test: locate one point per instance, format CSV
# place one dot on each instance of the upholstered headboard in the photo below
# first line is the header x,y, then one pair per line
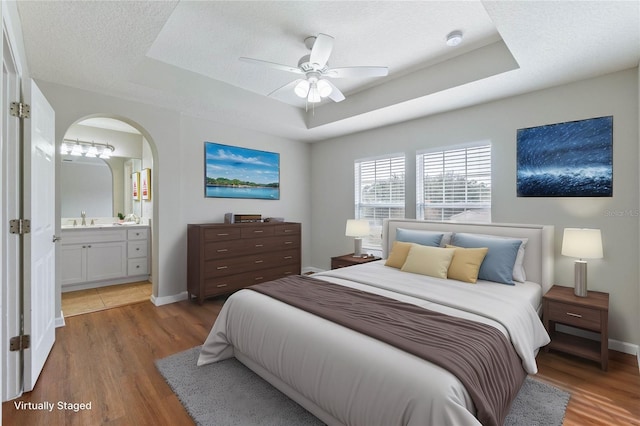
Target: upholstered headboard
x,y
538,257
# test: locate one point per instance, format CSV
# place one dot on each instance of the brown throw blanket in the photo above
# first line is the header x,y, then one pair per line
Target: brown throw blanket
x,y
479,355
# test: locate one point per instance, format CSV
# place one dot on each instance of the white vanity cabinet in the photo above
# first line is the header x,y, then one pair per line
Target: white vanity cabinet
x,y
95,257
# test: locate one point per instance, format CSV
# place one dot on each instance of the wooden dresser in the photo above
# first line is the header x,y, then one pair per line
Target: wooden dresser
x,y
222,258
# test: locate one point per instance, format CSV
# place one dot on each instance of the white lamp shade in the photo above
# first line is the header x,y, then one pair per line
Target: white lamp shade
x,y
302,88
582,243
357,228
324,88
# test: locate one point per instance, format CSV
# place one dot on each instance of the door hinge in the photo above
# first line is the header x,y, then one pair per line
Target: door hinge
x,y
20,110
18,343
19,226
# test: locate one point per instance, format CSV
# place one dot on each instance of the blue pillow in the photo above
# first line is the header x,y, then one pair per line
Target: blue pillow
x,y
498,264
424,238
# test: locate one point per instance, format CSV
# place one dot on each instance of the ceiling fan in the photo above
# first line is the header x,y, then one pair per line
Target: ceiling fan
x,y
314,85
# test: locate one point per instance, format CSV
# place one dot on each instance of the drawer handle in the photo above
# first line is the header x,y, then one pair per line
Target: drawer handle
x,y
259,245
258,231
288,230
258,261
222,285
288,273
222,267
574,315
137,266
222,250
288,242
223,235
288,257
258,278
137,248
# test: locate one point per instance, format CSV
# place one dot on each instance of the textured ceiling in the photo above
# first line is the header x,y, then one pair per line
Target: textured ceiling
x,y
184,55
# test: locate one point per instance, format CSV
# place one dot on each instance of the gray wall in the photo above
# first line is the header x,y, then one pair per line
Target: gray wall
x,y
332,192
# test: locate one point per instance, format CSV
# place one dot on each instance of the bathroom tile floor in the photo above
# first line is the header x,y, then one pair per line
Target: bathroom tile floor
x,y
98,299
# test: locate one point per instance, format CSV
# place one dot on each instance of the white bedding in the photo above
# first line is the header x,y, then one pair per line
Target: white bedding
x,y
344,377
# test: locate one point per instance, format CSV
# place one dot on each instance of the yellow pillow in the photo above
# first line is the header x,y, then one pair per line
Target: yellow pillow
x,y
398,254
427,260
466,263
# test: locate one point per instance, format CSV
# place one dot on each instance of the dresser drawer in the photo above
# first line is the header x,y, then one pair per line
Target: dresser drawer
x,y
286,229
256,231
137,234
223,249
221,233
137,249
578,316
137,266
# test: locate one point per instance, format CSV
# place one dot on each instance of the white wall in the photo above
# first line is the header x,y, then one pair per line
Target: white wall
x,y
332,192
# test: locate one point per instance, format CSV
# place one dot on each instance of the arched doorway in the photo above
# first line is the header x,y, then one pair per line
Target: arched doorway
x,y
129,149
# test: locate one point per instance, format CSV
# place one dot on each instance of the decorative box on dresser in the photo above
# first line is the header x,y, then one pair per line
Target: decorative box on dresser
x,y
561,306
222,257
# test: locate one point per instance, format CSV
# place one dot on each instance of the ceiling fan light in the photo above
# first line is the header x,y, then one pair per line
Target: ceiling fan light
x,y
324,88
314,95
302,88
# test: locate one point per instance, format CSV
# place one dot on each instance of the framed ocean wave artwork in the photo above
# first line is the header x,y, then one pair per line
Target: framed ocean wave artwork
x,y
237,172
570,159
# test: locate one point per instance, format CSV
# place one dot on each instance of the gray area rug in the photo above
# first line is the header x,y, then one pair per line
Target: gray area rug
x,y
229,394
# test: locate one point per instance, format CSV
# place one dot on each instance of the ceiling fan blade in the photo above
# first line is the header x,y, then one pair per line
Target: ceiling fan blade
x,y
335,95
357,72
286,88
280,67
321,50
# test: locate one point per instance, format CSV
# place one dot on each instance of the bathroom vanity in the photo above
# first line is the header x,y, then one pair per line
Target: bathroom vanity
x,y
101,255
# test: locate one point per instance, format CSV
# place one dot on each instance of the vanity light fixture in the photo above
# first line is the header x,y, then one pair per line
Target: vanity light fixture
x,y
88,149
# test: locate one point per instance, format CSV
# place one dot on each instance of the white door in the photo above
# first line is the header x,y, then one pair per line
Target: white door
x,y
39,202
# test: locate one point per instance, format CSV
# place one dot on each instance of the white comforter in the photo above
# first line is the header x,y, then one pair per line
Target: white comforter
x,y
344,377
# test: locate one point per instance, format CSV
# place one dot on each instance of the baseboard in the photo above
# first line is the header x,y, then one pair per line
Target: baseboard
x,y
624,347
60,320
165,300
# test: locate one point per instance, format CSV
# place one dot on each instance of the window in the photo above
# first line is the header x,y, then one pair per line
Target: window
x,y
379,193
454,184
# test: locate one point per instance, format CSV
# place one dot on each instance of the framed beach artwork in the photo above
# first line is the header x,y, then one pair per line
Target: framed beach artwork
x,y
236,172
571,159
135,185
145,184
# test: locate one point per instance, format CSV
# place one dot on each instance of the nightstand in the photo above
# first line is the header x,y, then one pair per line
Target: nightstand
x,y
349,260
561,306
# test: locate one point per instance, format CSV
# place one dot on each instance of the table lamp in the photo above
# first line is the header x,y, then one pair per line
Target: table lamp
x,y
583,244
357,228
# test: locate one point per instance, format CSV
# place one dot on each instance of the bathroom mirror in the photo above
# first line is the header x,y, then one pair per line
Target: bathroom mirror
x,y
97,186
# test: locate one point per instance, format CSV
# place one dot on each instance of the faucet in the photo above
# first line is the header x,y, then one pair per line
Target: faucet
x,y
83,214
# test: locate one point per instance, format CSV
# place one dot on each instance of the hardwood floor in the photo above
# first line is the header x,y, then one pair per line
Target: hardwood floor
x,y
107,358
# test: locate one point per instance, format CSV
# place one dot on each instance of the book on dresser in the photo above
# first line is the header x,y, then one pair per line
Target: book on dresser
x,y
224,257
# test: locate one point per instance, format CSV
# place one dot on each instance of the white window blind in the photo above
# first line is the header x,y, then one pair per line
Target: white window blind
x,y
454,184
379,193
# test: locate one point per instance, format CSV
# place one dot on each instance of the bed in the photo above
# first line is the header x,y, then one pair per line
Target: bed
x,y
345,377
